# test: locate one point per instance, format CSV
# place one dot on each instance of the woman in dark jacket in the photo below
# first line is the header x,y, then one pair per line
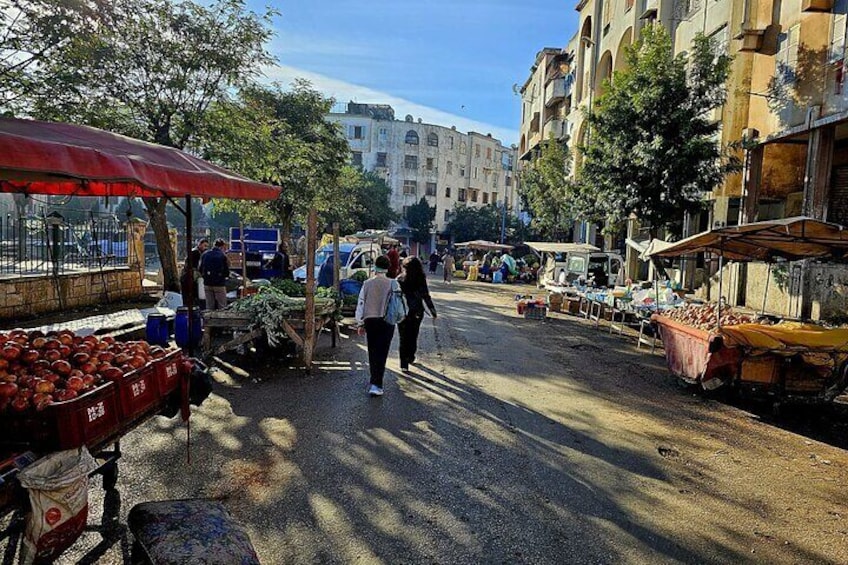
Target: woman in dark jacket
x,y
413,282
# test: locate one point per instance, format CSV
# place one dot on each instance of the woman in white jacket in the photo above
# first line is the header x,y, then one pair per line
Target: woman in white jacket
x,y
370,312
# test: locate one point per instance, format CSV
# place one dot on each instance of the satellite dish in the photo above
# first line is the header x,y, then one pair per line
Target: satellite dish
x,y
408,118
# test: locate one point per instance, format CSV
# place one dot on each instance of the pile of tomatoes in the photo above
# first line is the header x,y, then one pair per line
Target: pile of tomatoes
x,y
38,369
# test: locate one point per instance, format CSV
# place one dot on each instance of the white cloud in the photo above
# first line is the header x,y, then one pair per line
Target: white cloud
x,y
345,91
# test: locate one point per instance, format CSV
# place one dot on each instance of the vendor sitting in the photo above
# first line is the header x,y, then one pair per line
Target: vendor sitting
x,y
509,268
486,266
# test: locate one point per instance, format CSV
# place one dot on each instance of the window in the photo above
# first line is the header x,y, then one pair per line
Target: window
x,y
447,192
462,148
450,167
450,142
628,5
475,173
477,151
463,195
433,140
485,198
410,162
461,171
355,132
474,196
384,134
412,137
405,211
382,159
410,187
787,55
837,36
494,198
447,215
356,161
431,189
576,264
508,181
489,153
431,164
494,181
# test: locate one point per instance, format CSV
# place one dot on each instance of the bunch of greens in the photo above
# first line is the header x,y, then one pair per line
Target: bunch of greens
x,y
270,307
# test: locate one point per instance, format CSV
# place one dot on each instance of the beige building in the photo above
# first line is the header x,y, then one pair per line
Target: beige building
x,y
417,159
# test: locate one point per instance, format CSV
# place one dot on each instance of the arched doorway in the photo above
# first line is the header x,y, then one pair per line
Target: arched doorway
x,y
620,58
584,55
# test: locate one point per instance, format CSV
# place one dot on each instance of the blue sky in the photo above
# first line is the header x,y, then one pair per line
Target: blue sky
x,y
451,62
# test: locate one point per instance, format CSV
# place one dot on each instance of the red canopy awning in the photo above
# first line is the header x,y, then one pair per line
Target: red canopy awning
x,y
62,159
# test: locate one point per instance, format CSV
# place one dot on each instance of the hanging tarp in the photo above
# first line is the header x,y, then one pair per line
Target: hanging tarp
x,y
66,159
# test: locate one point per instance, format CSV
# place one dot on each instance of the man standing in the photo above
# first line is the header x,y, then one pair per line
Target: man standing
x,y
215,268
280,263
394,262
192,260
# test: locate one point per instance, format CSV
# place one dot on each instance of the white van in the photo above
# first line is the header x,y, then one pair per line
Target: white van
x,y
353,257
564,263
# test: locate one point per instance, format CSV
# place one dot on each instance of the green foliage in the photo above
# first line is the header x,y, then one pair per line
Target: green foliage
x,y
270,307
420,218
468,223
366,204
652,147
360,276
288,287
548,192
281,138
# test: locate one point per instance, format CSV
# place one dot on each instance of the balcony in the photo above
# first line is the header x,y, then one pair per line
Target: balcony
x,y
816,5
649,10
554,91
752,39
555,126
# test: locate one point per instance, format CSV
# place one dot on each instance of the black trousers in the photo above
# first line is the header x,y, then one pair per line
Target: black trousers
x,y
408,331
379,336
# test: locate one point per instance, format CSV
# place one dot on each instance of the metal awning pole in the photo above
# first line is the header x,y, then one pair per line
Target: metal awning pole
x,y
720,284
189,277
765,292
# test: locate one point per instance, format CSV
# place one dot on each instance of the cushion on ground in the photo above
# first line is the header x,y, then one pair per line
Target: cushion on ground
x,y
174,532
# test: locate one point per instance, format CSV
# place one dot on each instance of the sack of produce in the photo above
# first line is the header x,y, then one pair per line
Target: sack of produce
x,y
58,495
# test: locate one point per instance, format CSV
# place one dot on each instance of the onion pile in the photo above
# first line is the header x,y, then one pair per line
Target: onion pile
x,y
703,316
37,369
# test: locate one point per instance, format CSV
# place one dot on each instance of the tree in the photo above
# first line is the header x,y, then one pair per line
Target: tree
x,y
151,71
367,201
548,191
653,149
281,138
469,223
420,218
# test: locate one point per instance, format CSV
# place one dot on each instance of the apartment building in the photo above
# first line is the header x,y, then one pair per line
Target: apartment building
x,y
786,98
440,163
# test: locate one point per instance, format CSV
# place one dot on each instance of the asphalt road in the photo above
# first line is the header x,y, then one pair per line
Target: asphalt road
x,y
513,441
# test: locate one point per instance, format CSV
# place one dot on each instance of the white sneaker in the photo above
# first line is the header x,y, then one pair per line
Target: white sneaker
x,y
375,391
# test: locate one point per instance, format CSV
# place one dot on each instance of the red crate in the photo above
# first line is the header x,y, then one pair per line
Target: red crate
x,y
138,393
168,372
86,420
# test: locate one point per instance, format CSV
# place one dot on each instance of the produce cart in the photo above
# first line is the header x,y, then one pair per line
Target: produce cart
x,y
788,361
267,316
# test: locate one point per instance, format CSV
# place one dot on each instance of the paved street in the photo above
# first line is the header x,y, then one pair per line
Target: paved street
x,y
513,441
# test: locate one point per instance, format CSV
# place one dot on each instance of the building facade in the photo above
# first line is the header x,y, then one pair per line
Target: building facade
x,y
440,163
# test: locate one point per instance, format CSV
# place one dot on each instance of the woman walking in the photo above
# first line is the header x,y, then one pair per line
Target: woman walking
x,y
447,260
370,312
413,282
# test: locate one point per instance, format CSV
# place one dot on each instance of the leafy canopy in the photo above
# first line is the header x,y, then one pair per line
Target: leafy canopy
x,y
653,148
420,218
548,192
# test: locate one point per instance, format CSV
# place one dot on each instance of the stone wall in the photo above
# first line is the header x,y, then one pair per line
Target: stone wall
x,y
825,294
27,296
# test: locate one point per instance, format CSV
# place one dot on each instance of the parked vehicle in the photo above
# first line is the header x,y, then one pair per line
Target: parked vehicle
x,y
353,257
565,263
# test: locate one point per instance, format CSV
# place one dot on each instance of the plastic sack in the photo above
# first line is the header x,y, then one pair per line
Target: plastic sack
x,y
396,308
58,495
172,300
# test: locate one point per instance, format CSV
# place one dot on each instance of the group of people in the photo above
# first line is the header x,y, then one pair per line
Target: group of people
x,y
447,259
213,267
389,275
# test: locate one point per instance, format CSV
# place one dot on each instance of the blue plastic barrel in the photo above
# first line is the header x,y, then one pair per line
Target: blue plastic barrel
x,y
350,287
157,329
181,327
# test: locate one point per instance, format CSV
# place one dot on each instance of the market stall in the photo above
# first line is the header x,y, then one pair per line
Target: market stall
x,y
63,391
713,345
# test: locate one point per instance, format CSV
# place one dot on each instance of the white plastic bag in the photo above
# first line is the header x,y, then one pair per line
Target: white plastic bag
x,y
58,495
172,300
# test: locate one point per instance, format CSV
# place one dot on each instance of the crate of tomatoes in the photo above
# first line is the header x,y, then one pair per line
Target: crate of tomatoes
x,y
60,390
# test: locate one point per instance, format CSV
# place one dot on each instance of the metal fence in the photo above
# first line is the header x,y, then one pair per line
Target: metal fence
x,y
49,245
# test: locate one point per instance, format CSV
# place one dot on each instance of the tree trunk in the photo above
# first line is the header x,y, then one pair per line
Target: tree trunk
x,y
159,223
